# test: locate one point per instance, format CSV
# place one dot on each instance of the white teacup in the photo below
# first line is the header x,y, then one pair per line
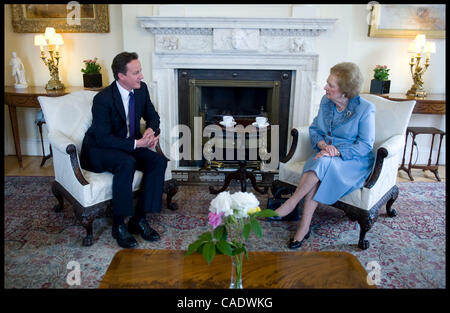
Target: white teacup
x,y
228,120
261,120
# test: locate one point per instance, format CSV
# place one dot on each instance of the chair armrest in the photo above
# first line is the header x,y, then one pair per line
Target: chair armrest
x,y
301,147
59,141
388,149
65,145
373,177
294,134
394,145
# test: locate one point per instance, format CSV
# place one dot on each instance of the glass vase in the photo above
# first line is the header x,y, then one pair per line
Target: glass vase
x,y
236,271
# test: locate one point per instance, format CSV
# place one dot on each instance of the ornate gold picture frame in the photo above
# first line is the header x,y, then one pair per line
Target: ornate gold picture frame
x,y
406,21
34,18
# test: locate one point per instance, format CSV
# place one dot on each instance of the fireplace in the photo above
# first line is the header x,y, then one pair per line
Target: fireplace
x,y
243,94
235,51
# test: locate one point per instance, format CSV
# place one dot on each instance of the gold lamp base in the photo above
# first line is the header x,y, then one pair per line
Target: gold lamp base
x,y
416,92
54,84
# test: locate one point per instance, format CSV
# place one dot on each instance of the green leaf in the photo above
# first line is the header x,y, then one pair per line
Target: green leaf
x,y
238,250
194,247
246,231
256,227
205,236
220,233
224,247
265,213
209,251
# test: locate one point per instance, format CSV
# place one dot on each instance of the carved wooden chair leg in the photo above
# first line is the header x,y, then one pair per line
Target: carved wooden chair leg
x,y
87,222
170,189
365,224
362,243
392,212
59,196
109,210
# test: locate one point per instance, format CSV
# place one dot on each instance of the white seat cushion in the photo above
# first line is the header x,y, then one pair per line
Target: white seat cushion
x,y
99,187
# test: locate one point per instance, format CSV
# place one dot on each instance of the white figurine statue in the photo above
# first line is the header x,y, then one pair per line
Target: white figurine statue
x,y
18,71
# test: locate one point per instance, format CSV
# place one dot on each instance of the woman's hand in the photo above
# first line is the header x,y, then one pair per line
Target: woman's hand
x,y
321,154
332,150
328,150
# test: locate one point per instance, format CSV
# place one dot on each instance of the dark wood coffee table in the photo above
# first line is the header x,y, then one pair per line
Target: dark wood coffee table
x,y
138,268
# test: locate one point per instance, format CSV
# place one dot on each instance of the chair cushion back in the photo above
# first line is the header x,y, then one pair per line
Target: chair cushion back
x,y
391,117
70,114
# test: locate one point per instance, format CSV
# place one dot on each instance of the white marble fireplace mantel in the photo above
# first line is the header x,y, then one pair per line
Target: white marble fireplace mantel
x,y
233,43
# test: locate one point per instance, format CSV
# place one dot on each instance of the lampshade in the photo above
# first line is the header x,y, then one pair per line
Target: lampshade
x,y
49,33
412,47
430,47
420,39
56,40
39,40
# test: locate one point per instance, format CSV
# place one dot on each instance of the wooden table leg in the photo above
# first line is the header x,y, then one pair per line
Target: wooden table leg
x,y
410,157
436,173
15,131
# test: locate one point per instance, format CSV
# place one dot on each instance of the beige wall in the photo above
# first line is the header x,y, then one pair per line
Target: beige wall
x,y
77,47
347,41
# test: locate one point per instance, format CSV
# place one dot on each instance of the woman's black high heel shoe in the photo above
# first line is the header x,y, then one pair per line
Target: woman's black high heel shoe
x,y
295,244
274,218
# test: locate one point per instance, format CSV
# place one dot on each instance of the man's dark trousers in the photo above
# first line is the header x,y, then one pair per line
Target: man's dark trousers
x,y
123,166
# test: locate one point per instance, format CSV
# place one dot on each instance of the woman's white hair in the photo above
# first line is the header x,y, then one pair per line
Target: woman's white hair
x,y
349,78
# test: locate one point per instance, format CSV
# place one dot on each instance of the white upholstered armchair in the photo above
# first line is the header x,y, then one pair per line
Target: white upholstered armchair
x,y
68,118
391,121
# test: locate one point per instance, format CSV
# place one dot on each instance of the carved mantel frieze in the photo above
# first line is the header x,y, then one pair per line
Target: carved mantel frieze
x,y
235,35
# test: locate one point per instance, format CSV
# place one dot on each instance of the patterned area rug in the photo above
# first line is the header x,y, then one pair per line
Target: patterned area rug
x,y
39,243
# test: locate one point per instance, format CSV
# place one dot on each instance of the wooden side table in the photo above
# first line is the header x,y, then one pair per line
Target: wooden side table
x,y
431,104
27,98
416,131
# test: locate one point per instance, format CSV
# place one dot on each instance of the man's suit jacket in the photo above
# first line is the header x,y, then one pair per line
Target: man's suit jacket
x,y
109,124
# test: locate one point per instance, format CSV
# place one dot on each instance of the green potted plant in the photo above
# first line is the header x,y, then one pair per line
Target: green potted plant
x,y
381,83
91,74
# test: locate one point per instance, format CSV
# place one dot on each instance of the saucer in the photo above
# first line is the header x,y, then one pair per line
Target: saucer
x,y
227,125
257,125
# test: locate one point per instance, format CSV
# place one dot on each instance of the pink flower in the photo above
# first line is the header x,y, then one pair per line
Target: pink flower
x,y
215,219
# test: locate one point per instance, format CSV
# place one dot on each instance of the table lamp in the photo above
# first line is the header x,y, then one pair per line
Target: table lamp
x,y
419,47
52,41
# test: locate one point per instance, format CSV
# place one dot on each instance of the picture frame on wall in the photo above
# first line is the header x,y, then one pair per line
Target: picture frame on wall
x,y
72,17
407,20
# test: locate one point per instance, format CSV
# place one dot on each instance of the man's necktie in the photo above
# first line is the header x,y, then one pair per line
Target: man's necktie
x,y
132,116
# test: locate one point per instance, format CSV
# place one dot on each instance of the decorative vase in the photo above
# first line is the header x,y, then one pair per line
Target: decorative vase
x,y
92,80
236,271
380,86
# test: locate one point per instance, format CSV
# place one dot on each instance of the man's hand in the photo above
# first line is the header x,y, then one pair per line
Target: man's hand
x,y
148,133
154,142
143,142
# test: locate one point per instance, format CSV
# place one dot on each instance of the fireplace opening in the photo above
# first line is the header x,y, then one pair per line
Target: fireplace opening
x,y
239,102
243,94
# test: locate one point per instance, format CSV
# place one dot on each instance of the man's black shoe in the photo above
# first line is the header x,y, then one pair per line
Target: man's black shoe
x,y
123,237
141,227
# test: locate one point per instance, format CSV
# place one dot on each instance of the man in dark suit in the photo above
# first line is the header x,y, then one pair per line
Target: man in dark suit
x,y
115,144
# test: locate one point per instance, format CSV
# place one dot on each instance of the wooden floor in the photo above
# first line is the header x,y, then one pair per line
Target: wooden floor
x,y
31,167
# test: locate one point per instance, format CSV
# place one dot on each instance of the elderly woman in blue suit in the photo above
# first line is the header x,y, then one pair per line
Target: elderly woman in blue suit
x,y
342,135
